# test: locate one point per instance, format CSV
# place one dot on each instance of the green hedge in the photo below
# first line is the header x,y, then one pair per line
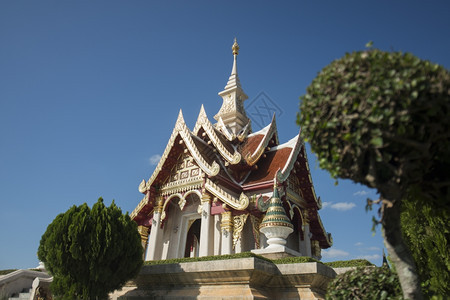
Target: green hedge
x,y
285,260
4,272
204,258
349,263
295,260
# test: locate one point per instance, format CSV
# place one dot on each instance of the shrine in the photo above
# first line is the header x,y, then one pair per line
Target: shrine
x,y
222,189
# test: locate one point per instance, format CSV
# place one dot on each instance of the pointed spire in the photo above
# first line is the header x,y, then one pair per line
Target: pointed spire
x,y
276,215
179,125
232,111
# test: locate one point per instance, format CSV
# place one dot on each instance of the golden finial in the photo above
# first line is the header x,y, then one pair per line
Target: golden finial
x,y
235,47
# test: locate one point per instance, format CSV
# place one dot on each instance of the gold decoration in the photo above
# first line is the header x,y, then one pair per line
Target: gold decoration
x,y
182,203
238,224
235,47
182,130
244,132
190,222
227,222
223,128
283,174
252,158
142,187
141,204
143,232
255,227
315,249
205,197
240,203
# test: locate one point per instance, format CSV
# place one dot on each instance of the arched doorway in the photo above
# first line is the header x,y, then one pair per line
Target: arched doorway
x,y
193,239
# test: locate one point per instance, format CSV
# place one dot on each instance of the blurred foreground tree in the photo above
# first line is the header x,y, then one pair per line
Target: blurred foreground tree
x,y
368,283
426,230
91,252
382,119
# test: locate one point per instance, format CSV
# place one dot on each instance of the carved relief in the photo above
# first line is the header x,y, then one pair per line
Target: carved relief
x,y
185,176
240,203
202,121
256,221
238,223
227,222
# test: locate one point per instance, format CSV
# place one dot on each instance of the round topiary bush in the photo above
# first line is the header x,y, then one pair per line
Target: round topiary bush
x,y
365,283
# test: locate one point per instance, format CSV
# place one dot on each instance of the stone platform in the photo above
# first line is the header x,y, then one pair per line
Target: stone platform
x,y
242,278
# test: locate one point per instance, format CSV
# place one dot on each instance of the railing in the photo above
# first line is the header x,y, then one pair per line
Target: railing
x,y
16,281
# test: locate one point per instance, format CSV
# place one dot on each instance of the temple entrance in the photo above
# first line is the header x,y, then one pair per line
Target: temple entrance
x,y
193,239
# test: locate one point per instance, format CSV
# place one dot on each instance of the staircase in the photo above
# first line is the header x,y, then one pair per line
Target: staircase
x,y
24,295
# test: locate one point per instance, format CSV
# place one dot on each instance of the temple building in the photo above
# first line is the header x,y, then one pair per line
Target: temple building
x,y
222,188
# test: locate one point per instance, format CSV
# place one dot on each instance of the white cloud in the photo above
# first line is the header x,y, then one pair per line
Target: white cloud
x,y
333,253
372,249
358,244
361,193
370,257
325,204
154,159
343,206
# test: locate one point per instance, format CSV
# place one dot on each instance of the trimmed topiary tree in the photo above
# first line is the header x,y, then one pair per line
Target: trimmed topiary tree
x,y
382,119
91,252
368,283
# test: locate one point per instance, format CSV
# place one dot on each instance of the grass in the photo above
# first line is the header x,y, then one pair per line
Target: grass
x,y
350,263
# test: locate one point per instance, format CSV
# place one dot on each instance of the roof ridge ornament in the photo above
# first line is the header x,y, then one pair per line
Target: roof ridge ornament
x,y
235,49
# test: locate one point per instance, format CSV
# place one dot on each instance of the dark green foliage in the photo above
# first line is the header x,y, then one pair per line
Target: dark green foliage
x,y
365,283
91,252
205,258
4,272
382,119
377,117
349,263
286,260
427,233
295,260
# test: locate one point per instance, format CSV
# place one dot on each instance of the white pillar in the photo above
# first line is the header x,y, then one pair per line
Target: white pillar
x,y
206,227
227,233
217,235
307,241
154,245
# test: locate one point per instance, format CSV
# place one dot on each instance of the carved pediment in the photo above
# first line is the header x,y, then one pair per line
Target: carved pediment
x,y
184,175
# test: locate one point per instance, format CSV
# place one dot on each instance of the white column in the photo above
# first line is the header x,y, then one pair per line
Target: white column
x,y
307,241
206,227
154,253
227,233
217,235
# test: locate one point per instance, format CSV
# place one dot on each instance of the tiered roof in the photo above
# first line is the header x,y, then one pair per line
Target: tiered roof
x,y
234,161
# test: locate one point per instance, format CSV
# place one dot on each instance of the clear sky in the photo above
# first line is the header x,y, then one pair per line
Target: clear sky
x,y
90,92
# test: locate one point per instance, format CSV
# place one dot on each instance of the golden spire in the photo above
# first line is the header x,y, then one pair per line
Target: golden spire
x,y
235,47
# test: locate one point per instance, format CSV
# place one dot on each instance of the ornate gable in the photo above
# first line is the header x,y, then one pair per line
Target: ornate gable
x,y
185,175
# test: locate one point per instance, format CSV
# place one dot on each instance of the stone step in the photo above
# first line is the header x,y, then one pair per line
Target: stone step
x,y
24,295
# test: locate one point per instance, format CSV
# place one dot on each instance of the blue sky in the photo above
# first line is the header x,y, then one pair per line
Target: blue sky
x,y
90,91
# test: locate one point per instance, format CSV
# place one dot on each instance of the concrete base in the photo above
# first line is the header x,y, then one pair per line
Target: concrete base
x,y
276,251
244,278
